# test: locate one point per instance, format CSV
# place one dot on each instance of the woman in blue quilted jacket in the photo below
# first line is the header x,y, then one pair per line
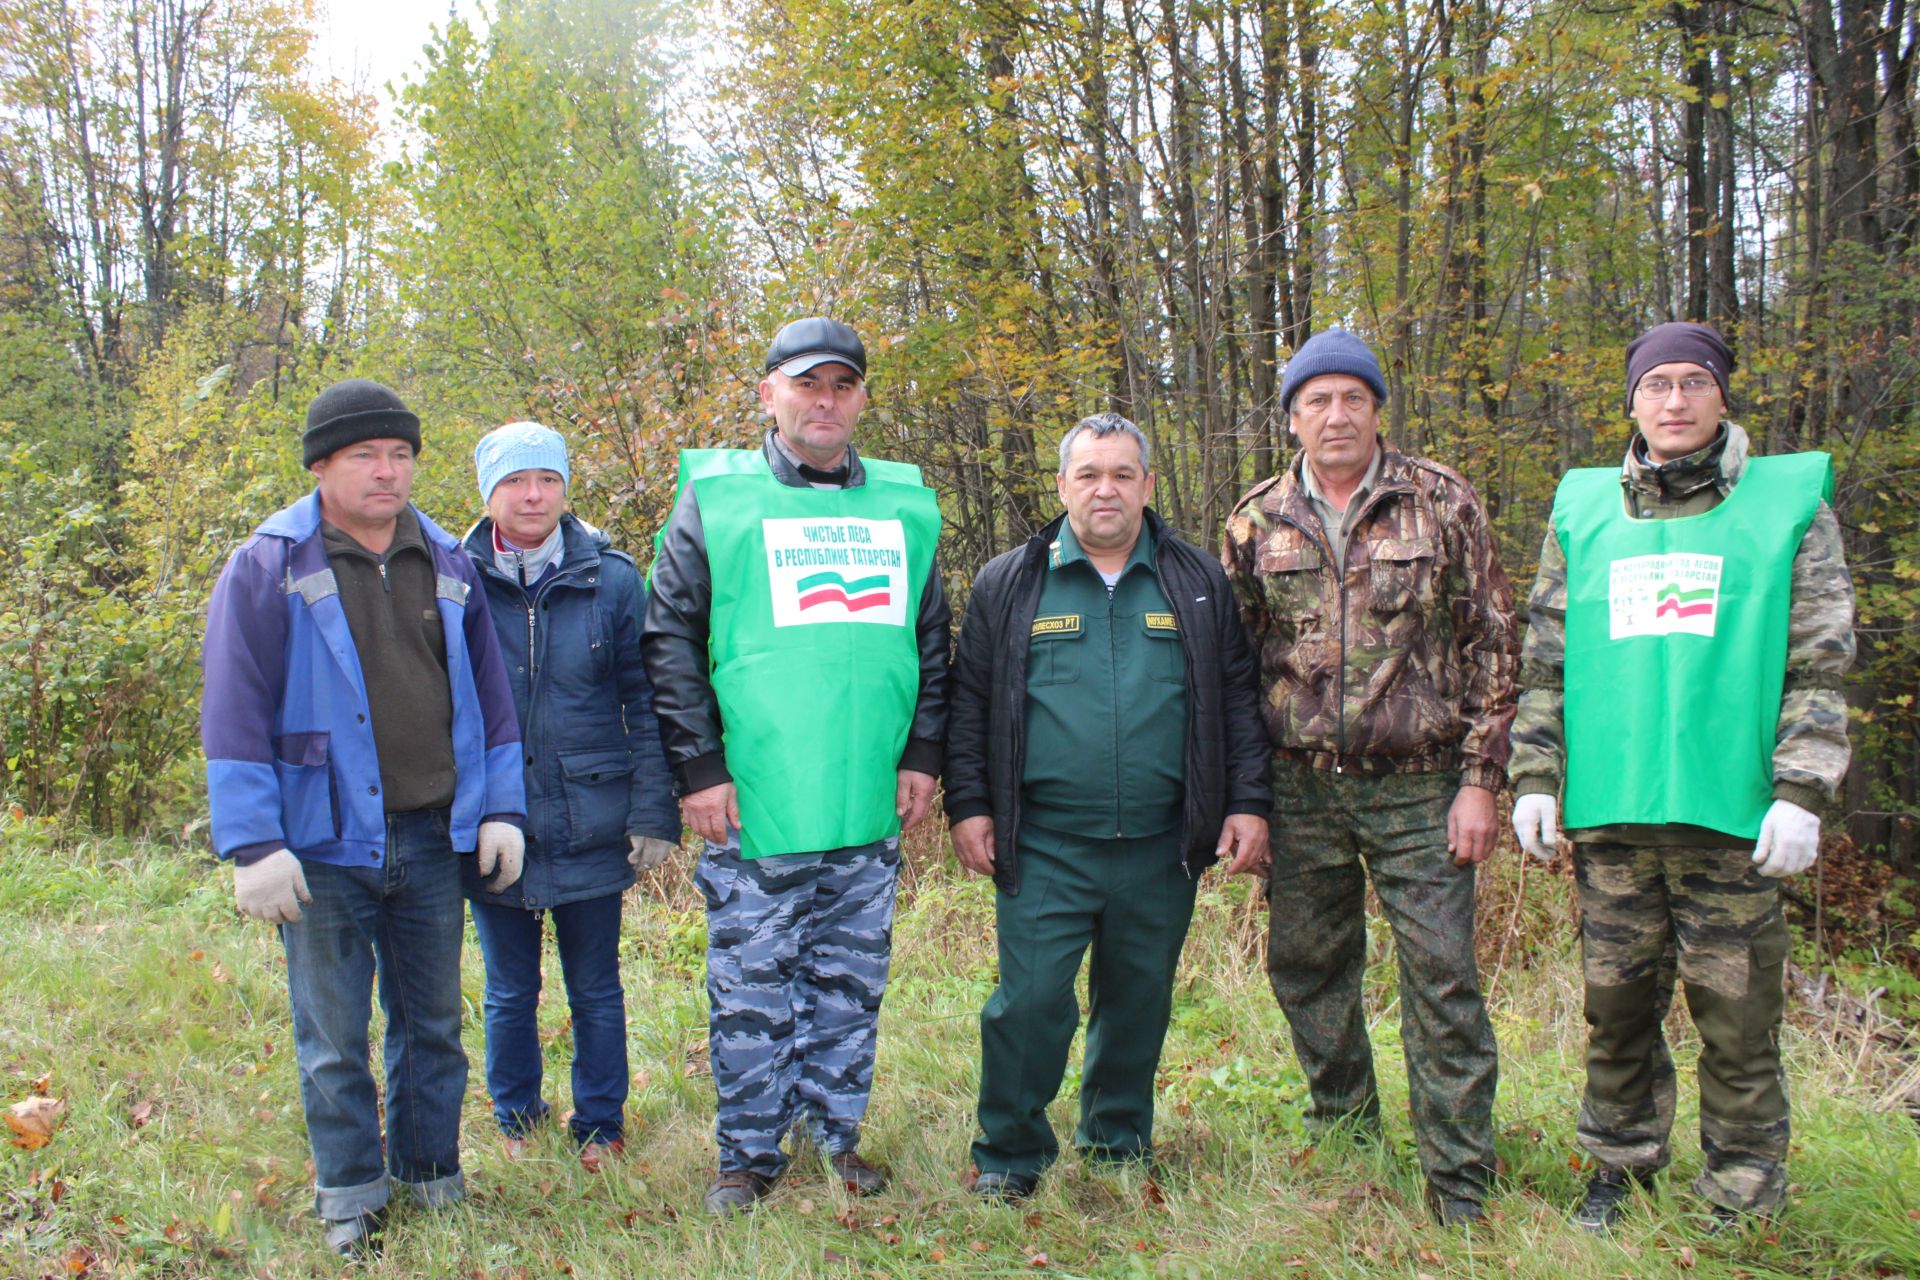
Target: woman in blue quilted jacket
x,y
600,804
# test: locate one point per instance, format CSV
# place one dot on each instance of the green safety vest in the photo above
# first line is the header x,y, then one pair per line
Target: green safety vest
x,y
813,643
1677,646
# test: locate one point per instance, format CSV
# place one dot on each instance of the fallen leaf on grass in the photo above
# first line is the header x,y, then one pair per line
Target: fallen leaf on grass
x,y
263,1115
41,1084
1151,1195
34,1120
805,1206
221,973
80,1260
846,1218
979,1246
174,1232
1686,1256
834,1255
889,1237
1033,1221
937,1255
142,1112
1431,1258
1039,1260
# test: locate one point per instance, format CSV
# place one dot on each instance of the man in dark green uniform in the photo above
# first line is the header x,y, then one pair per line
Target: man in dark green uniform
x,y
1104,747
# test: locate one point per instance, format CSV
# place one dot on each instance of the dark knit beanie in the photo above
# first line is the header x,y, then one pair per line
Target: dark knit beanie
x,y
1682,341
355,410
1332,351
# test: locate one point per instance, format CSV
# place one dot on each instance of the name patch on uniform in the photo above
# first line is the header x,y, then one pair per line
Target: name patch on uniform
x,y
836,570
1662,595
1063,624
1162,622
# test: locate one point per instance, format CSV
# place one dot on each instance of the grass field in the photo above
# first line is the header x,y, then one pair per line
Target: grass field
x,y
131,991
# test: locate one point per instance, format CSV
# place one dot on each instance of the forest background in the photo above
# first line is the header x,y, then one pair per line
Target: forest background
x,y
594,213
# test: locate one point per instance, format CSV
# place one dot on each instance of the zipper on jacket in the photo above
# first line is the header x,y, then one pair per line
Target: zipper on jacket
x,y
384,584
1186,764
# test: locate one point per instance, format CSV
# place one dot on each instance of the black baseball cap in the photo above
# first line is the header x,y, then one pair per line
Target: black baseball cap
x,y
802,344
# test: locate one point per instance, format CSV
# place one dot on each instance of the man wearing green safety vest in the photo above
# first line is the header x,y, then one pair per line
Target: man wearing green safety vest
x,y
797,641
1690,623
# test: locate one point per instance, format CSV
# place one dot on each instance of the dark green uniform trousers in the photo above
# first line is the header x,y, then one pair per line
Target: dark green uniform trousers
x,y
1325,826
1647,915
1131,901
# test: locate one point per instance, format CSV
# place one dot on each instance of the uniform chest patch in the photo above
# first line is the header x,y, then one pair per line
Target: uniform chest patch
x,y
1162,622
1059,624
836,570
1660,595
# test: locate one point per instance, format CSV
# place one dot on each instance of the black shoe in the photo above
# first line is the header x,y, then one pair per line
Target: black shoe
x,y
857,1176
1456,1212
355,1237
1002,1187
735,1189
1607,1191
1722,1221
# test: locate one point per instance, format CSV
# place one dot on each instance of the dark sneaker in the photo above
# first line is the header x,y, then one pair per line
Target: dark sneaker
x,y
1456,1212
1605,1201
734,1190
857,1176
1002,1187
355,1237
1722,1221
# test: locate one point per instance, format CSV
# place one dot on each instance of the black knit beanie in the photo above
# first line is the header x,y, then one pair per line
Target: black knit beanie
x,y
1682,341
355,410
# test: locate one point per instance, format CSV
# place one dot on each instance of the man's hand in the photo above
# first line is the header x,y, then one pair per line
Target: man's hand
x,y
271,889
711,810
973,842
912,798
648,852
1536,821
502,845
1789,840
1243,838
1471,825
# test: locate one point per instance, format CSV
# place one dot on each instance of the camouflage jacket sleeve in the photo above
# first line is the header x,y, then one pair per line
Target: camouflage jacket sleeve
x,y
1539,738
1811,751
1485,628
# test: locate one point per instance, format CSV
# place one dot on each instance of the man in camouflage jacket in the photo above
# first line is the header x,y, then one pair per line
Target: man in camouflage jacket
x,y
1373,593
1666,896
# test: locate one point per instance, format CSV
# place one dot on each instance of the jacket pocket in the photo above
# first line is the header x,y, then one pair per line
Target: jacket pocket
x,y
597,784
1053,649
1167,657
1400,577
1290,577
309,807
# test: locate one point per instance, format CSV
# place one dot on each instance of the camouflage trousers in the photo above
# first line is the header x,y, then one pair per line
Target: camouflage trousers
x,y
1325,827
1707,917
797,952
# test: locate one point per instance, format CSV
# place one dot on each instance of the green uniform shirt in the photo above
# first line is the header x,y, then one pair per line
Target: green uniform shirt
x,y
1106,699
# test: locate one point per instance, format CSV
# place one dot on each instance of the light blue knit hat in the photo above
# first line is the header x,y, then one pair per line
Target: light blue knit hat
x,y
518,446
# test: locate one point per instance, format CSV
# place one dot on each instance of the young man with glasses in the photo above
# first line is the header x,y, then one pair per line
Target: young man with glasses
x,y
1681,698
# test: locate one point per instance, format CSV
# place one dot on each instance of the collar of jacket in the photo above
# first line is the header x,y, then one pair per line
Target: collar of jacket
x,y
1288,499
582,545
788,474
1040,545
1720,463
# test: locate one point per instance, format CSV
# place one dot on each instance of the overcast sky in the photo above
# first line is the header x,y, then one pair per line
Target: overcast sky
x,y
375,43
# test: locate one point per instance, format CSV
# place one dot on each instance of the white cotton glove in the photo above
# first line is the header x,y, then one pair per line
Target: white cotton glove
x,y
1536,821
646,852
1789,840
501,845
271,889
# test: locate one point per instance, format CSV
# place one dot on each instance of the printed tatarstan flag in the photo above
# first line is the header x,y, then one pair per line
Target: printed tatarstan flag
x,y
828,587
1683,604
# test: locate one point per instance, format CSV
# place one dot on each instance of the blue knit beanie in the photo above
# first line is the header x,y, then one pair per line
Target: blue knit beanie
x,y
1331,351
518,446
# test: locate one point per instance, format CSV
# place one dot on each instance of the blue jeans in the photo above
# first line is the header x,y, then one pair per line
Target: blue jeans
x,y
588,935
401,920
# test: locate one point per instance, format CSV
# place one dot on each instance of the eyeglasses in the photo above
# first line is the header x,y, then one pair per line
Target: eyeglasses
x,y
1693,387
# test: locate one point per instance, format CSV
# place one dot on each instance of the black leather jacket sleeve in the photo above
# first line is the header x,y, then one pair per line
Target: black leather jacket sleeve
x,y
674,642
933,629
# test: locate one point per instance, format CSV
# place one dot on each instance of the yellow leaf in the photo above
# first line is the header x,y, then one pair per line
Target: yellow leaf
x,y
34,1121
